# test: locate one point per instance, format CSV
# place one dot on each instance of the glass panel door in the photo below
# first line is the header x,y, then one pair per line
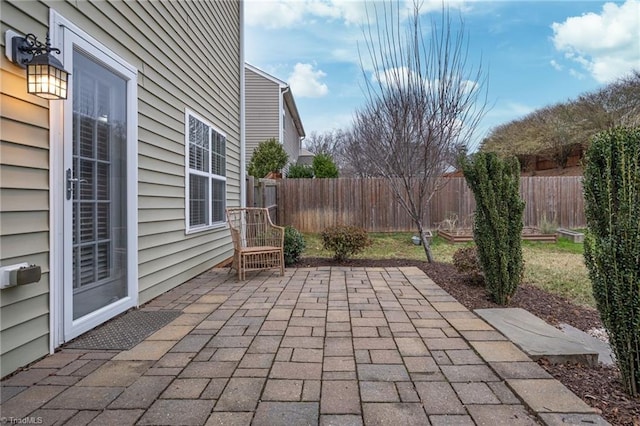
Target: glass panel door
x,y
97,186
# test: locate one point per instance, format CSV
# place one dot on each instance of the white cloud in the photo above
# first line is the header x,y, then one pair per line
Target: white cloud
x,y
576,74
305,82
275,14
395,77
607,45
556,66
351,12
403,77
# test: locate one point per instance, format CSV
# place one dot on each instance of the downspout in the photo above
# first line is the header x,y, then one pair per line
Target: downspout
x,y
243,148
281,131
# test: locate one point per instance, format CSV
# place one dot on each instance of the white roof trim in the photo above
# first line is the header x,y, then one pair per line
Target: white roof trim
x,y
258,71
286,94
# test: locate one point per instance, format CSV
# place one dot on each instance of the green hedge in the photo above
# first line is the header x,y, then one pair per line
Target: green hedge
x,y
497,225
612,244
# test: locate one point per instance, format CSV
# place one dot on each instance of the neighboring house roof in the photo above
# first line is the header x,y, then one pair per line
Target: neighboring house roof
x,y
288,96
305,157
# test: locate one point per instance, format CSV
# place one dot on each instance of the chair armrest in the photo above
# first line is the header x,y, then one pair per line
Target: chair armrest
x,y
276,237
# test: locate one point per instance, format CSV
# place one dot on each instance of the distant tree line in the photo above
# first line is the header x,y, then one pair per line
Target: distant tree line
x,y
554,132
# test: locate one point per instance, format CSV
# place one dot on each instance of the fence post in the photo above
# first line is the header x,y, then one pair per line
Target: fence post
x,y
250,191
279,204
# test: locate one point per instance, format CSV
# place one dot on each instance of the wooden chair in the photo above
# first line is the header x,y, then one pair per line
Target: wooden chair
x,y
257,243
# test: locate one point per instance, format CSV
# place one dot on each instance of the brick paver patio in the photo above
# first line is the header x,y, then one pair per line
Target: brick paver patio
x,y
328,346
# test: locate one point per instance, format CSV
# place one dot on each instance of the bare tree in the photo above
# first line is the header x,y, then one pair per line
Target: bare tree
x,y
357,162
559,129
554,131
423,102
616,104
328,142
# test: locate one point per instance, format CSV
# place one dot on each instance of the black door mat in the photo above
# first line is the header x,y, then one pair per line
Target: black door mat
x,y
125,331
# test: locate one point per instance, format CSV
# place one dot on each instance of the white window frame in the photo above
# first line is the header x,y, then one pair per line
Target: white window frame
x,y
209,175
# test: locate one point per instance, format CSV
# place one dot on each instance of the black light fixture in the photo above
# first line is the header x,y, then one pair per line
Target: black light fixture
x,y
46,76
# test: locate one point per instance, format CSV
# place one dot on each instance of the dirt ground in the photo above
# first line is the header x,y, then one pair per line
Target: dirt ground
x,y
599,387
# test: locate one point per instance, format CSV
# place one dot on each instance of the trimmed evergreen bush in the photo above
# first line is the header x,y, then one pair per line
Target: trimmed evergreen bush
x,y
324,166
345,241
300,171
612,242
497,224
269,156
294,245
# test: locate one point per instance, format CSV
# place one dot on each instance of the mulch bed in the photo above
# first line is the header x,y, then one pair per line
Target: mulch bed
x,y
598,386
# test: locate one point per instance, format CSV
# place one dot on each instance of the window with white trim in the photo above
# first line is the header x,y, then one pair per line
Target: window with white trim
x,y
205,172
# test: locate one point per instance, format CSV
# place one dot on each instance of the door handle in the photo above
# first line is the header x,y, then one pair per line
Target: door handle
x,y
71,183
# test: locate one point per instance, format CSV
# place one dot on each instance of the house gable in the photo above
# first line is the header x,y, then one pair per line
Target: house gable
x,y
271,112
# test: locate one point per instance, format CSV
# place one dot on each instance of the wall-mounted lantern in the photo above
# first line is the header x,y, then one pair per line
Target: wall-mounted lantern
x,y
46,76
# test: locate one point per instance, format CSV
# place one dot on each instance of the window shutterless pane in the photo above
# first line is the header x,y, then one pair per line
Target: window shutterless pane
x,y
218,159
218,200
198,145
206,171
198,190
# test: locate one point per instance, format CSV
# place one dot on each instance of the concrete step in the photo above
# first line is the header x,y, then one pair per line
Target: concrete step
x,y
537,338
605,354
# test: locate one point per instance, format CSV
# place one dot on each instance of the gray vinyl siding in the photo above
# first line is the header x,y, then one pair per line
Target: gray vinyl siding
x,y
262,110
291,138
158,38
24,201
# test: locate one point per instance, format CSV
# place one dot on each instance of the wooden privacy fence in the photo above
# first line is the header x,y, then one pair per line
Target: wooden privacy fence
x,y
264,193
311,205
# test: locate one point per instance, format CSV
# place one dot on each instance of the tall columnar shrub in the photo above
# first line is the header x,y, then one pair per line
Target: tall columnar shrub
x,y
497,225
612,245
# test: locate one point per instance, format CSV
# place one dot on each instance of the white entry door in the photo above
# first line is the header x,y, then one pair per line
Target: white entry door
x,y
99,225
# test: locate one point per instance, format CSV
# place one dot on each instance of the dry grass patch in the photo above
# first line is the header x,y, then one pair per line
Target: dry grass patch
x,y
558,268
558,272
396,245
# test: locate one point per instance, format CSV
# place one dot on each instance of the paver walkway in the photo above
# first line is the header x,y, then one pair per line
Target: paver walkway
x,y
328,346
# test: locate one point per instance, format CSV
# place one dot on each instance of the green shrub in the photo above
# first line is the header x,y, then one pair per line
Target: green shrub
x,y
298,171
324,166
345,241
612,243
269,156
497,224
466,262
294,245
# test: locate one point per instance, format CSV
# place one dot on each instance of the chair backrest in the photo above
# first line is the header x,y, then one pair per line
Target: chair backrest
x,y
252,227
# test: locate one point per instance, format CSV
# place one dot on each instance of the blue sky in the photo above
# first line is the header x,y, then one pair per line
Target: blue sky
x,y
535,53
